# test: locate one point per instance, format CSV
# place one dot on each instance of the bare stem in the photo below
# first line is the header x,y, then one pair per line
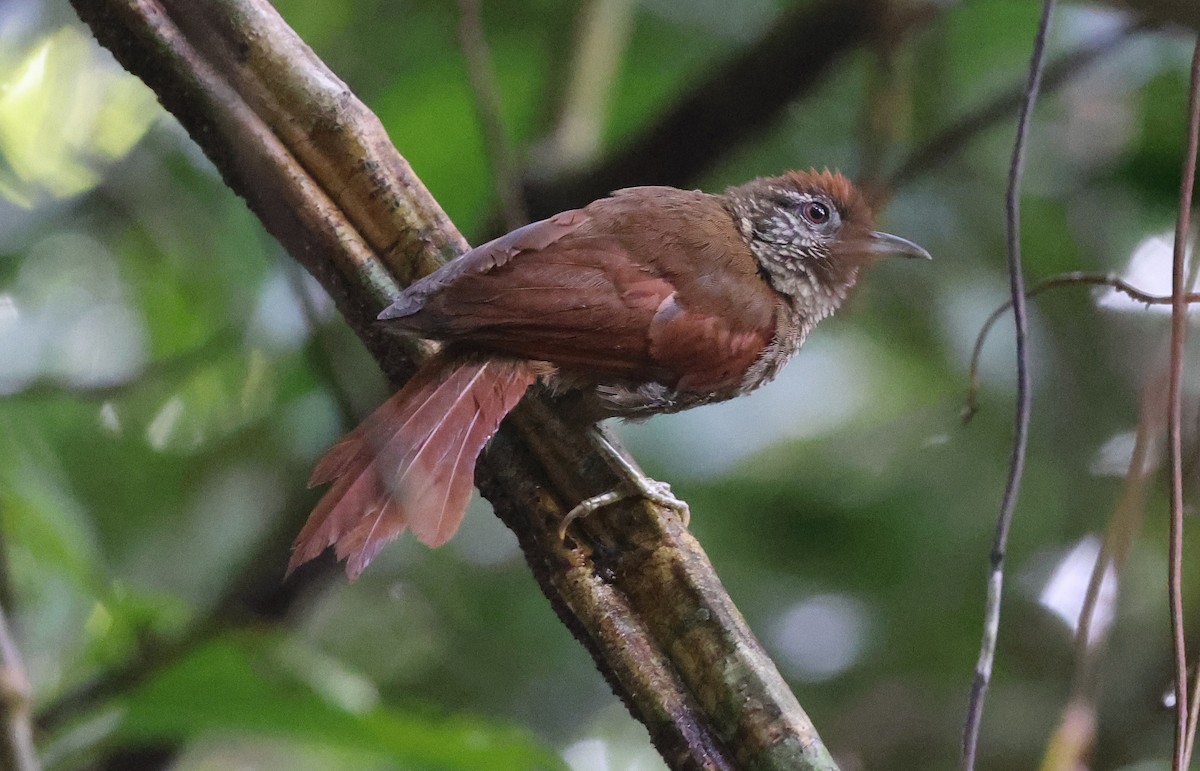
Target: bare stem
x,y
482,78
885,110
16,725
602,33
953,138
1074,278
742,97
1194,704
991,624
316,352
1075,734
1174,412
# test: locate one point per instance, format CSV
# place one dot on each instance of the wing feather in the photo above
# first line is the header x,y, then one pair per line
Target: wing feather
x,y
649,285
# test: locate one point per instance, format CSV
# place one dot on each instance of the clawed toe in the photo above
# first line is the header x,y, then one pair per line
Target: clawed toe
x,y
650,489
640,486
587,506
660,493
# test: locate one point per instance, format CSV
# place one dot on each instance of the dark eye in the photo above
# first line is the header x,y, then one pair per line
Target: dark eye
x,y
815,212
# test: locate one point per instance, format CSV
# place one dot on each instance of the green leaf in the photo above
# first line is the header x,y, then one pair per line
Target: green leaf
x,y
242,687
40,514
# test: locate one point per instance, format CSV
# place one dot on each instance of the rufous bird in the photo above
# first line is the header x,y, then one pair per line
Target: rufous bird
x,y
652,300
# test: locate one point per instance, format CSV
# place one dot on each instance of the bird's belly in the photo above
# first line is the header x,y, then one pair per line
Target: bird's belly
x,y
640,400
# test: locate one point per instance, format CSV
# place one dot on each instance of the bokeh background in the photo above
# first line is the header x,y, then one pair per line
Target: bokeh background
x,y
168,376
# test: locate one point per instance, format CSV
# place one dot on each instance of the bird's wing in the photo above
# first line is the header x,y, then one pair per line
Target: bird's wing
x,y
570,290
484,258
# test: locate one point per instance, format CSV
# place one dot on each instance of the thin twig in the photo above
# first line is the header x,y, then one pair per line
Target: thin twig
x,y
991,626
486,93
884,112
316,352
1075,735
1066,751
17,751
1174,412
950,140
1180,12
1117,540
242,596
1070,744
165,370
16,734
6,590
242,601
602,33
1194,704
738,99
1074,278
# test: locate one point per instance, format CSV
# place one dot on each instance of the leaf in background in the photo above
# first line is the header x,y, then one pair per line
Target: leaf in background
x,y
1152,167
40,515
66,113
241,687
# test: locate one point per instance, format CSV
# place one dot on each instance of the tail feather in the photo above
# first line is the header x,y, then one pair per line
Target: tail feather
x,y
359,546
337,459
356,490
411,464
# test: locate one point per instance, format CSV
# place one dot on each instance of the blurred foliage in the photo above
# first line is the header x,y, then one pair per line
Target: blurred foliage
x,y
165,391
262,688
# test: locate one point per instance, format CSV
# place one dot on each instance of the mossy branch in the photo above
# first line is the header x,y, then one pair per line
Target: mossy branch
x,y
317,168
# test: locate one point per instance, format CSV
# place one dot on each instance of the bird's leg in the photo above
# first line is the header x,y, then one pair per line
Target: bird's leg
x,y
642,487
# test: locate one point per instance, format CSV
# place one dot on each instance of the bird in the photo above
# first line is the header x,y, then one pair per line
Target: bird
x,y
651,300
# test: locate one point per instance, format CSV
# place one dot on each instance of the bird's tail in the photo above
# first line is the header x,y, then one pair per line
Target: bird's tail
x,y
411,464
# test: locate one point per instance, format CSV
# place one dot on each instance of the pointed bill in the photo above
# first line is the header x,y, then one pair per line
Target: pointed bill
x,y
885,244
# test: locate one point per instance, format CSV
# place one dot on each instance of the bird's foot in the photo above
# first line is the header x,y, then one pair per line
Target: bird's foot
x,y
660,493
642,487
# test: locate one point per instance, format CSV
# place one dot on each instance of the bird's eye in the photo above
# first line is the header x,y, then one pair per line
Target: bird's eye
x,y
815,212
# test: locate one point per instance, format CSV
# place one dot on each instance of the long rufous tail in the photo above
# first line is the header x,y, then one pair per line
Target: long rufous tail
x,y
411,464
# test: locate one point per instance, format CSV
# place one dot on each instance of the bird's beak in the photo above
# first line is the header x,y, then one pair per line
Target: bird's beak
x,y
884,244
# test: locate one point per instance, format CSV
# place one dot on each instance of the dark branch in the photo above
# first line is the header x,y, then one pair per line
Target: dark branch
x,y
738,101
486,95
1184,12
949,141
317,168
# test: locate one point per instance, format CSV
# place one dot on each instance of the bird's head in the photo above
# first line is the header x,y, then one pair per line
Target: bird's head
x,y
810,232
